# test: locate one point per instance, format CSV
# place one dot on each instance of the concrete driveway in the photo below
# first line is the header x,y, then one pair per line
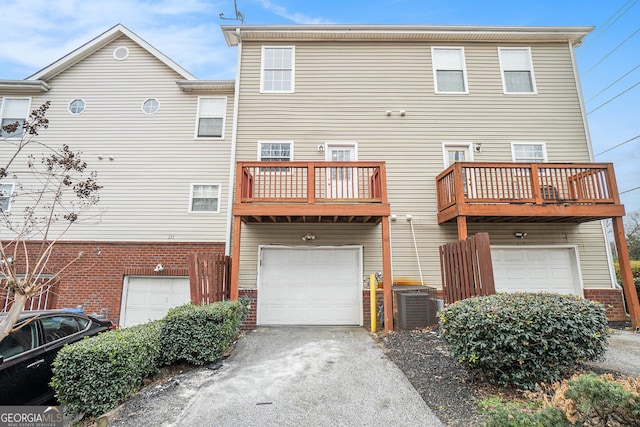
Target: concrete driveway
x,y
623,354
311,376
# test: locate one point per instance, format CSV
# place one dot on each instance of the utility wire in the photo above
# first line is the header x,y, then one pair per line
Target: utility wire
x,y
616,146
612,51
606,88
606,27
630,190
617,96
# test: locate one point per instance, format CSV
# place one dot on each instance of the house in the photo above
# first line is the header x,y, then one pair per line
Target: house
x,y
159,141
338,152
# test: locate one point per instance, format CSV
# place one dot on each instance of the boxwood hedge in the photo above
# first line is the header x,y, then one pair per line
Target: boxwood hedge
x,y
521,339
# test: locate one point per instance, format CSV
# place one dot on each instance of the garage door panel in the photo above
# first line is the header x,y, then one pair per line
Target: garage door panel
x,y
150,298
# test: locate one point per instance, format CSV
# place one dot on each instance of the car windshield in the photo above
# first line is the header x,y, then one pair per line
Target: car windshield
x,y
17,342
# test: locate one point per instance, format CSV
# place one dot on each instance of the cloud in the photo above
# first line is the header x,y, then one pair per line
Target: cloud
x,y
295,17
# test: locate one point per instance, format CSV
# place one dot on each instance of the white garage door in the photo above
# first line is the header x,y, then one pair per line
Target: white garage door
x,y
548,269
310,286
150,298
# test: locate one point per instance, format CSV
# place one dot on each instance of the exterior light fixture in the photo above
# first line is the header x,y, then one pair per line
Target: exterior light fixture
x,y
308,237
520,234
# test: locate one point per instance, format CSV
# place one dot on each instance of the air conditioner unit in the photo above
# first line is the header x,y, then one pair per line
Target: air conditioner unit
x,y
416,309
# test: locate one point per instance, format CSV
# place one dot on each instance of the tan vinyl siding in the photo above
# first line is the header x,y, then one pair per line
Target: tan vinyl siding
x,y
342,91
156,157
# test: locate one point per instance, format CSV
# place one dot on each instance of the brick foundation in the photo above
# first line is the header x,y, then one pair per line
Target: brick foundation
x,y
612,300
252,294
95,281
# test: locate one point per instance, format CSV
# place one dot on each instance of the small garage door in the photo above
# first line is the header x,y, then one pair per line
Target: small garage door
x,y
150,298
548,269
310,286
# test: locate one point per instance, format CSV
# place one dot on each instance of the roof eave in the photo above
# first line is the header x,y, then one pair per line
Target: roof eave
x,y
206,85
35,86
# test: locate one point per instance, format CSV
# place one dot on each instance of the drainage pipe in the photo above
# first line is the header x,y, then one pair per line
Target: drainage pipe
x,y
415,245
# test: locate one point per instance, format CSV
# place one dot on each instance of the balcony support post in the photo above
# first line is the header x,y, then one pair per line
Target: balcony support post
x,y
630,294
387,283
462,227
235,258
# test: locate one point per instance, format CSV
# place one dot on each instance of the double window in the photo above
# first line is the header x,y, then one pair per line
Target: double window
x,y
205,198
517,70
211,113
275,151
14,110
449,70
6,190
277,69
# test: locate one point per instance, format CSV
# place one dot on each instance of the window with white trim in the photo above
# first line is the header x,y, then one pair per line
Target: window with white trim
x,y
517,70
14,110
211,113
77,106
275,151
204,198
150,106
6,191
528,152
277,69
449,70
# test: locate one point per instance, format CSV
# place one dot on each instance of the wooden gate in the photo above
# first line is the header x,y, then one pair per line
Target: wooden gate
x,y
466,268
209,277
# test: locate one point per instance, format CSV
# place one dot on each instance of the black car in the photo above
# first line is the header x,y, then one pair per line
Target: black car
x,y
26,354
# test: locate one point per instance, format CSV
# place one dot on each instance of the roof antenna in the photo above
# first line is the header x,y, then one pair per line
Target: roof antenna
x,y
239,15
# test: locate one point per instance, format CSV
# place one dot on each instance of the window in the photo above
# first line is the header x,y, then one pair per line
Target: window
x,y
517,70
528,152
277,69
6,190
20,341
449,72
280,151
205,198
211,112
59,327
77,106
14,110
150,106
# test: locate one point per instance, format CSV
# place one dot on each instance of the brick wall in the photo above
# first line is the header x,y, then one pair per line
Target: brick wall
x,y
612,300
250,320
96,279
366,309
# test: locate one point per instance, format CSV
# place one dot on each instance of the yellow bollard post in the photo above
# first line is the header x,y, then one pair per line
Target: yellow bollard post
x,y
373,285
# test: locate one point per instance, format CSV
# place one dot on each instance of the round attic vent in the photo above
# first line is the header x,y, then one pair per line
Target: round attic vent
x,y
120,53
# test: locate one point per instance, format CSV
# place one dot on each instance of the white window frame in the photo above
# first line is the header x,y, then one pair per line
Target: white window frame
x,y
293,70
9,198
542,144
272,170
530,69
466,145
84,106
157,108
224,117
193,185
435,70
19,132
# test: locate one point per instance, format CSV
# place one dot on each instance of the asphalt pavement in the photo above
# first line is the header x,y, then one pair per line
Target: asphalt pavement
x,y
623,354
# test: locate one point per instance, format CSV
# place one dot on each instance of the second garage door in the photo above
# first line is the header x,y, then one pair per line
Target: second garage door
x,y
541,269
150,298
310,286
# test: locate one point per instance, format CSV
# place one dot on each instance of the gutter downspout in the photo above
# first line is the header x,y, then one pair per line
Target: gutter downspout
x,y
234,142
587,133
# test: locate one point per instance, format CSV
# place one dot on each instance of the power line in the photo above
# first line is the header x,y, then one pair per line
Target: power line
x,y
630,190
616,146
612,51
606,88
618,95
606,27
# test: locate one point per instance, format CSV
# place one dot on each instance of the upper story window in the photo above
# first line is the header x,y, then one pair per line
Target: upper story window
x,y
517,70
275,151
277,69
150,106
528,152
14,110
211,112
77,106
205,198
6,190
449,70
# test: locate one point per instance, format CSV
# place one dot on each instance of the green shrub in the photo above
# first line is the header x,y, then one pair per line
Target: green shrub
x,y
521,339
199,334
94,375
501,413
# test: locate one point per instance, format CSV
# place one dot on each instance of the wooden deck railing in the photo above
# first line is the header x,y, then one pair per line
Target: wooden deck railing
x,y
311,182
527,183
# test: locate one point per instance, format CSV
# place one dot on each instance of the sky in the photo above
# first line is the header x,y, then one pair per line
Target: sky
x,y
188,31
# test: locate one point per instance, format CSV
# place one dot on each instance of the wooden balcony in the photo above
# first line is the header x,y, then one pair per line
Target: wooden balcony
x,y
311,192
528,192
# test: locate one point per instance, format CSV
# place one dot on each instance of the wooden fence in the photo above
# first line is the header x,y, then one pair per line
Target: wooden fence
x,y
45,300
209,277
466,268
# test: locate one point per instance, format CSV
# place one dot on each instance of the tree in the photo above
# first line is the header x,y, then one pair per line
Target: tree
x,y
51,189
632,232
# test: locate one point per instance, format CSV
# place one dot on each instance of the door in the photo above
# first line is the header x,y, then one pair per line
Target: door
x,y
341,181
460,152
150,298
310,286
